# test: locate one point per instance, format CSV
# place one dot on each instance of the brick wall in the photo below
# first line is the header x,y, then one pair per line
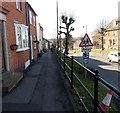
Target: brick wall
x,y
33,32
16,59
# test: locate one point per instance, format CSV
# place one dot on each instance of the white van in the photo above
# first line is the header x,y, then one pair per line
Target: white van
x,y
114,57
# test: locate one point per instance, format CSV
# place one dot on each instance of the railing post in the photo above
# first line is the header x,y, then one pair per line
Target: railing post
x,y
96,90
57,55
60,57
64,61
71,71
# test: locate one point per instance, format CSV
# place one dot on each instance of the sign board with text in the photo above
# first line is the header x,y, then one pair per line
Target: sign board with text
x,y
86,49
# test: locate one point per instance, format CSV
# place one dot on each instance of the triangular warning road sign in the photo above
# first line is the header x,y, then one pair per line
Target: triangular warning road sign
x,y
86,42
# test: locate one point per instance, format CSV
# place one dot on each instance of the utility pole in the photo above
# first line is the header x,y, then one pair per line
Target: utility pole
x,y
60,37
57,24
85,28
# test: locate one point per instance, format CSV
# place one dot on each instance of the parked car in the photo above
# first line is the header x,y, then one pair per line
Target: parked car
x,y
114,57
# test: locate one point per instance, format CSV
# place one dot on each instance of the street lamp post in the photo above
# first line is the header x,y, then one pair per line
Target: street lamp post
x,y
85,28
67,23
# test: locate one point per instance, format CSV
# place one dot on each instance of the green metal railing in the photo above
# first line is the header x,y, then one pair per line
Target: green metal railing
x,y
72,77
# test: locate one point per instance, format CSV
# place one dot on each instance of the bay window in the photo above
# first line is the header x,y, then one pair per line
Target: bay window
x,y
21,37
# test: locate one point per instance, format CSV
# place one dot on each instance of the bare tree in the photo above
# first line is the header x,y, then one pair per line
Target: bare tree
x,y
67,22
102,29
70,42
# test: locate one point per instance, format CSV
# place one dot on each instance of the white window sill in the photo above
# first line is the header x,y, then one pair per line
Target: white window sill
x,y
19,10
23,49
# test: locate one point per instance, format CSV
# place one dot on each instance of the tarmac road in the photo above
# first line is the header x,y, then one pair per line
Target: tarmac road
x,y
107,70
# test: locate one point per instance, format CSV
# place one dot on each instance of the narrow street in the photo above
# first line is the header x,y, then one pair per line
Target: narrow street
x,y
42,88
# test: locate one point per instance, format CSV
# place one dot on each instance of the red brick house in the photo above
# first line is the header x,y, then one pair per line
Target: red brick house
x,y
15,34
18,29
4,61
32,24
18,40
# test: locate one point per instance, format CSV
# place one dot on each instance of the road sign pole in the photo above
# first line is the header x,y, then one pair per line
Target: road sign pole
x,y
85,73
85,70
85,61
85,44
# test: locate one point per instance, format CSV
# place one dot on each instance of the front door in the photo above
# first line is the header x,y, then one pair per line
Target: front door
x,y
31,47
2,55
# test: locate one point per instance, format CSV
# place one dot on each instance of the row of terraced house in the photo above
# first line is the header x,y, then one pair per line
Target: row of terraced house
x,y
21,41
21,35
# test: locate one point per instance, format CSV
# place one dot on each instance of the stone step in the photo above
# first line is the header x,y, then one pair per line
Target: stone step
x,y
10,80
6,75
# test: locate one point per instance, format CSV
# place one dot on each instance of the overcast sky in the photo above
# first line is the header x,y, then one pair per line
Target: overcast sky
x,y
85,12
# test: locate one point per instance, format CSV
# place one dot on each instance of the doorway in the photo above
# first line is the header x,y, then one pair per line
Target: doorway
x,y
2,52
31,47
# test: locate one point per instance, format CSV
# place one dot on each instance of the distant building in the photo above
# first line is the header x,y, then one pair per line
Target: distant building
x,y
77,42
46,44
97,41
110,38
40,37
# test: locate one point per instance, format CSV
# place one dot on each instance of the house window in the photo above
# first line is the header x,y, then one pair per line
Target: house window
x,y
30,13
110,42
34,20
114,41
21,36
19,5
25,37
35,45
115,33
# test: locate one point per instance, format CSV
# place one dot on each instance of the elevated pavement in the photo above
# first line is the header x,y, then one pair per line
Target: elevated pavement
x,y
42,88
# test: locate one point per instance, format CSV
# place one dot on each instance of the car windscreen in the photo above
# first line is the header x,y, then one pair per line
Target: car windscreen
x,y
118,54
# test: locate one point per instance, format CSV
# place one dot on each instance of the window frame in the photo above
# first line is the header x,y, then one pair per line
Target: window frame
x,y
30,17
18,5
35,45
33,20
22,36
114,42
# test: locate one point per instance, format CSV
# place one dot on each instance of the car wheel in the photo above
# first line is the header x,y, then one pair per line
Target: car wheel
x,y
109,60
119,61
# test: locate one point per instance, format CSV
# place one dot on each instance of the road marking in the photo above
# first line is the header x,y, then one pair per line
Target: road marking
x,y
109,67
